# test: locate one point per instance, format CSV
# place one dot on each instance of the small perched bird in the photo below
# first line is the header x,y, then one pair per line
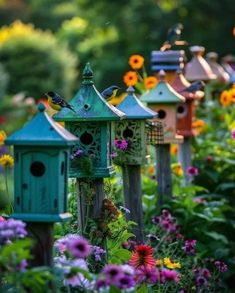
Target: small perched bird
x,y
57,103
173,37
195,86
110,92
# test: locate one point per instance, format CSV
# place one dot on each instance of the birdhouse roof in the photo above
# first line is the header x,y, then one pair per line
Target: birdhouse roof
x,y
88,104
170,60
42,130
133,108
162,93
181,83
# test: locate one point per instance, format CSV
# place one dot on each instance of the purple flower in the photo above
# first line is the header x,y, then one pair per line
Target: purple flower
x,y
189,246
121,144
79,247
170,275
124,282
11,229
221,266
77,154
192,171
113,155
233,133
201,281
112,272
156,220
149,275
22,266
101,284
98,251
206,273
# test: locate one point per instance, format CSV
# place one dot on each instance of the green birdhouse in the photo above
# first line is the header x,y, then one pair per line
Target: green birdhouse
x,y
163,99
91,123
130,135
41,153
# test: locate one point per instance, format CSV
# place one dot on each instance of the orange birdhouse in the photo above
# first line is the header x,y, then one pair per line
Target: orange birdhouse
x,y
185,112
164,100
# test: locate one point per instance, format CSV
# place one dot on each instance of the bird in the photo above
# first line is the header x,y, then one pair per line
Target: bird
x,y
56,102
110,92
173,37
195,86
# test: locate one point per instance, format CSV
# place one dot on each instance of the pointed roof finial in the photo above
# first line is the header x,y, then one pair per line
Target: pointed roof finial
x,y
87,74
161,75
41,107
130,90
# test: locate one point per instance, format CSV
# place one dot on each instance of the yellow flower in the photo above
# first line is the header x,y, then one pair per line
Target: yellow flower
x,y
159,262
199,126
136,61
174,149
177,169
130,78
6,161
171,265
225,98
2,137
150,82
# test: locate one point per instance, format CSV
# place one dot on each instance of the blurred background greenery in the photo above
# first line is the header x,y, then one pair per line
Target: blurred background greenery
x,y
61,36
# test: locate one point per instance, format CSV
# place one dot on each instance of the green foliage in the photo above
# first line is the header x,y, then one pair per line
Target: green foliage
x,y
36,66
3,81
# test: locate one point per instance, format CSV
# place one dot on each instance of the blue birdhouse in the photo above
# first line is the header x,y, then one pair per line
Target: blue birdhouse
x,y
91,123
132,131
41,153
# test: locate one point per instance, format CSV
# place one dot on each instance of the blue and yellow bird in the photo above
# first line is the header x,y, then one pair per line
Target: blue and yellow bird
x,y
110,92
56,102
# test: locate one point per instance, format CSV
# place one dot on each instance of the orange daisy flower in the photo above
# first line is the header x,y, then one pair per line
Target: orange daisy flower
x,y
232,94
150,82
136,61
225,98
174,149
130,78
177,169
142,256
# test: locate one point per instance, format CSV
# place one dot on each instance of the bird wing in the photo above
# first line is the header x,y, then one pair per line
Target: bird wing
x,y
59,101
107,93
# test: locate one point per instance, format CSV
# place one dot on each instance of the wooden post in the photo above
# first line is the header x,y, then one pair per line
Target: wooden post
x,y
133,198
185,157
90,198
163,170
42,235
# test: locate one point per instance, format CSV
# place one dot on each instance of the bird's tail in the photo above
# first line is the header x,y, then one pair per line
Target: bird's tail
x,y
165,46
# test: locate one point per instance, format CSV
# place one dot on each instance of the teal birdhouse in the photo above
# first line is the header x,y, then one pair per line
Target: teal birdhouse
x,y
163,99
41,153
131,132
91,123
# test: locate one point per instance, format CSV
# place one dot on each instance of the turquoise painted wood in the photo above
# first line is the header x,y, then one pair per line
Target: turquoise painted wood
x,y
133,130
91,123
41,153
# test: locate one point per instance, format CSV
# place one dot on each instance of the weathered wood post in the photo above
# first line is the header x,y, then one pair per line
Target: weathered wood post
x,y
163,99
185,117
41,153
132,131
90,161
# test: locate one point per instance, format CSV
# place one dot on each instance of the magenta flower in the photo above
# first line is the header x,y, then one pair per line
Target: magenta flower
x,y
79,247
148,275
221,266
189,246
121,144
192,171
124,282
233,133
170,275
201,281
113,155
1,219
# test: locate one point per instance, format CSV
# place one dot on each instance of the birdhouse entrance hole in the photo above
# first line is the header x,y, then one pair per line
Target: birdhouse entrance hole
x,y
128,133
181,111
86,138
37,169
161,114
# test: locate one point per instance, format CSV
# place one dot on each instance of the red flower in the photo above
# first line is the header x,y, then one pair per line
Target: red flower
x,y
142,256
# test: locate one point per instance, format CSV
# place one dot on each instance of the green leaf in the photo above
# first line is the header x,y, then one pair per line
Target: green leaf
x,y
142,289
217,236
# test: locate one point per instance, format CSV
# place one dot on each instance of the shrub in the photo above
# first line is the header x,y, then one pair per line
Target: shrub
x,y
36,61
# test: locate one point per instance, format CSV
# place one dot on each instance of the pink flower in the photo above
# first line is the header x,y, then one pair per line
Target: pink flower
x,y
121,144
170,275
192,171
1,219
233,133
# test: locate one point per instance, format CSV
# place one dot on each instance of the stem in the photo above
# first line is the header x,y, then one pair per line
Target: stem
x,y
11,210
